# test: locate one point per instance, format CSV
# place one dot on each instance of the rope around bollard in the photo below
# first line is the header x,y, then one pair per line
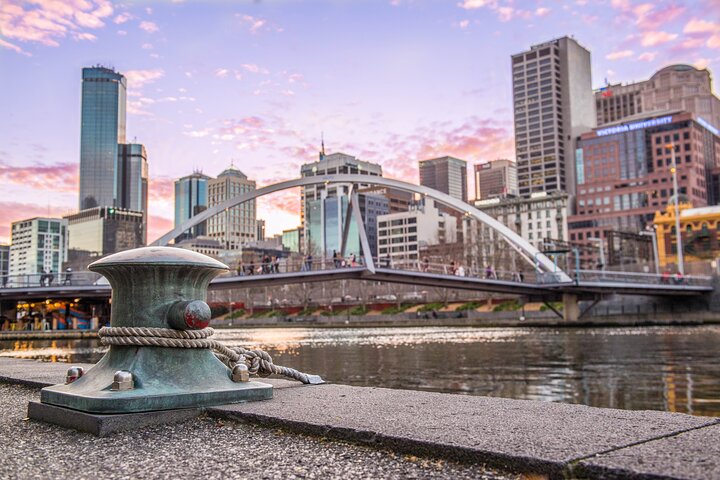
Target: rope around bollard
x,y
258,362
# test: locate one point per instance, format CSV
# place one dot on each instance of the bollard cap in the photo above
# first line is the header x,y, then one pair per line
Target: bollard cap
x,y
153,256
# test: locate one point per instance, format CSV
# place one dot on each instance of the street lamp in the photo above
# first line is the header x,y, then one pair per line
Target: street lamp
x,y
673,170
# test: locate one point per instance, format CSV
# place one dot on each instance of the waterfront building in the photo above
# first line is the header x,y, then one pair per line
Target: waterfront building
x,y
103,129
237,225
673,88
699,230
445,174
553,104
495,179
191,198
292,239
401,236
38,245
624,172
100,231
540,218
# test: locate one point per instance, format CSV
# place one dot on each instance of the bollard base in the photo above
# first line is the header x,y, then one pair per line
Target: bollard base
x,y
163,379
106,424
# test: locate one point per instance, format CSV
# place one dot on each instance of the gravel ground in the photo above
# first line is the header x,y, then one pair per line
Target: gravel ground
x,y
204,448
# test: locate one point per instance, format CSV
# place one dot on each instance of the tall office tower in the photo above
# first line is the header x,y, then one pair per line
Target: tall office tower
x,y
237,225
332,164
102,130
554,104
445,174
496,179
673,88
38,245
133,180
191,198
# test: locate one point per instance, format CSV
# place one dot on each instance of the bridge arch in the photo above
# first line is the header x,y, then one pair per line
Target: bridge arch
x,y
527,250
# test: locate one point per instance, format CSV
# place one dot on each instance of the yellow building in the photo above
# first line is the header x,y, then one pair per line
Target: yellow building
x,y
699,227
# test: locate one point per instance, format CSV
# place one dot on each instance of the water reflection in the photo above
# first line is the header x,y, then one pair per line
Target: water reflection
x,y
665,368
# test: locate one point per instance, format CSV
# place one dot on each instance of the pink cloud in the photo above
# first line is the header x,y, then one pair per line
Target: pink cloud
x,y
161,189
47,21
158,226
542,11
14,48
714,41
256,24
653,19
61,177
701,26
619,54
138,78
149,27
651,39
647,56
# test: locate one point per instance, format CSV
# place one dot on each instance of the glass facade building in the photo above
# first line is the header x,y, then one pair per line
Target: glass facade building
x,y
191,198
103,128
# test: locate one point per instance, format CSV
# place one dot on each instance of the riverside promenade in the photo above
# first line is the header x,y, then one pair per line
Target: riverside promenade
x,y
329,431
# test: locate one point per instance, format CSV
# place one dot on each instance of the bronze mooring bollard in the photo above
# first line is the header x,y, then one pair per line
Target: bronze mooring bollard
x,y
157,287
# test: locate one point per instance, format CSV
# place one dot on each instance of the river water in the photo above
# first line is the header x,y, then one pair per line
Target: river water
x,y
674,369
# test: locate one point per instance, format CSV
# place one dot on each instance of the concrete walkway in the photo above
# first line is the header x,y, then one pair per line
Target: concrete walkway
x,y
559,440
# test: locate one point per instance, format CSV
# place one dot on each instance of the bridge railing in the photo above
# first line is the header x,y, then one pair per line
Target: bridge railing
x,y
642,278
56,279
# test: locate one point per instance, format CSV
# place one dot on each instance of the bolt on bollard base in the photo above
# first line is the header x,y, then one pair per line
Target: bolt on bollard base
x,y
150,286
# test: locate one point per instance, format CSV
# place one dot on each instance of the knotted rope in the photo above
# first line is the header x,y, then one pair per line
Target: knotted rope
x,y
258,361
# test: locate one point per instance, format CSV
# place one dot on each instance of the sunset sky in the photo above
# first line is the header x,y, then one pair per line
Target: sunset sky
x,y
210,82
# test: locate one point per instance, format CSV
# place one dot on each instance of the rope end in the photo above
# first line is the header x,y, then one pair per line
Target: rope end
x,y
315,380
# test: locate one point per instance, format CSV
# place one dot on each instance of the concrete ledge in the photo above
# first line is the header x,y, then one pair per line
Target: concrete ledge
x,y
518,435
558,440
103,425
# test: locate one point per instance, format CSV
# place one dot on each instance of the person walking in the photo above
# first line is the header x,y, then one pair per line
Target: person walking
x,y
68,276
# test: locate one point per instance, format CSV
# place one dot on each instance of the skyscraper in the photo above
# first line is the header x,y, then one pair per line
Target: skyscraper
x,y
445,174
102,129
237,225
496,179
191,198
133,180
554,104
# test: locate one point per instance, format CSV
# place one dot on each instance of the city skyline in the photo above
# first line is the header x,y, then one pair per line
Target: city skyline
x,y
257,84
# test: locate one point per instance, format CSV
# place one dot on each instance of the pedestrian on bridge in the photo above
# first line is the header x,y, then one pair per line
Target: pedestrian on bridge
x,y
68,276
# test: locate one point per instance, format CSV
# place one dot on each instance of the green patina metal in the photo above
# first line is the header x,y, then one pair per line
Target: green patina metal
x,y
146,283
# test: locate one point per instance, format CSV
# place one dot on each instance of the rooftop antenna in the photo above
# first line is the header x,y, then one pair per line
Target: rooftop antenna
x,y
322,145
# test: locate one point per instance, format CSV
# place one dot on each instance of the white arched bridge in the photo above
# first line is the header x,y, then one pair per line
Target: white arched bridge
x,y
544,279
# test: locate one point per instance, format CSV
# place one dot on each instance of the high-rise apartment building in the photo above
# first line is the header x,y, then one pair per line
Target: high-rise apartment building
x,y
496,179
191,198
103,128
554,104
237,225
673,88
39,245
445,174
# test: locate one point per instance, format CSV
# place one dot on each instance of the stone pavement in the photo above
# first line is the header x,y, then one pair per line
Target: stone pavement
x,y
559,440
